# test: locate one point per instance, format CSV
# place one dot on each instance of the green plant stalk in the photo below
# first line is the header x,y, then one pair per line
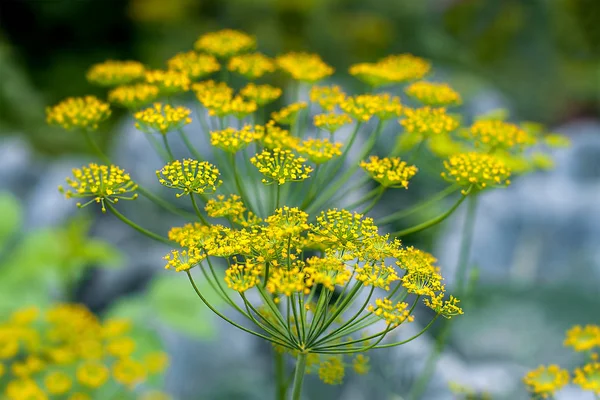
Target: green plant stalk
x,y
381,191
197,210
299,376
167,147
95,147
280,384
135,226
363,199
189,145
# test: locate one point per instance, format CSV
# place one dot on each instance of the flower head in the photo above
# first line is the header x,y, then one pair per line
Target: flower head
x,y
261,94
101,183
241,277
364,106
190,176
427,121
58,382
433,94
332,370
389,171
588,377
327,271
183,260
213,95
393,313
115,73
252,66
391,69
78,112
327,96
319,151
289,114
92,374
496,134
304,66
332,122
170,81
128,372
233,140
231,206
280,166
286,281
342,229
134,96
277,137
446,308
235,106
225,43
288,221
194,65
162,119
546,380
583,338
476,169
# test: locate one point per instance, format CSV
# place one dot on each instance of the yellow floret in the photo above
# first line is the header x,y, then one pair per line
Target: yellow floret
x,y
389,171
78,112
304,67
190,176
115,73
194,65
162,119
433,94
252,66
225,43
477,170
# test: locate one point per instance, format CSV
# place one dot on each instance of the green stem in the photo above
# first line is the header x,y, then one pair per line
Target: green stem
x,y
95,147
280,384
162,203
137,227
374,201
277,195
197,210
299,376
189,145
167,147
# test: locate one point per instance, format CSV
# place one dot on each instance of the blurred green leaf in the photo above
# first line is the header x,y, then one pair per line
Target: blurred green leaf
x,y
11,216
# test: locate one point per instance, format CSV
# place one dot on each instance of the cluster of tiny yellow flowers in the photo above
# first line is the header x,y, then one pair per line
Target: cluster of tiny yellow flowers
x,y
280,166
391,70
252,66
365,106
162,118
289,114
304,67
331,370
545,381
194,65
261,94
66,352
277,137
327,96
233,140
588,377
393,314
190,176
115,73
332,122
134,96
498,135
433,94
78,112
583,338
229,207
428,121
319,151
101,183
225,43
169,82
478,170
389,171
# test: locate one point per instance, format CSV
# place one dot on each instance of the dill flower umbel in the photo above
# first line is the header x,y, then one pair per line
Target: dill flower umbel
x,y
319,151
391,69
78,112
162,119
225,43
277,137
261,94
498,135
194,65
304,67
332,122
328,271
252,66
169,82
428,121
281,166
433,94
233,140
231,206
389,172
190,176
583,338
241,277
236,106
476,169
393,314
101,183
588,377
134,96
289,114
115,73
327,96
546,380
363,107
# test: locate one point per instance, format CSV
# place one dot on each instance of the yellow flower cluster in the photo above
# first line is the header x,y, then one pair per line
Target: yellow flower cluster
x,y
280,166
78,112
261,94
289,114
331,370
100,183
583,338
377,275
115,73
241,277
219,100
498,135
433,94
162,119
428,121
319,151
389,171
327,271
545,381
327,96
194,65
228,207
190,176
365,106
225,43
391,69
393,314
588,377
304,67
252,66
67,351
169,82
287,281
134,96
477,170
332,122
277,137
233,140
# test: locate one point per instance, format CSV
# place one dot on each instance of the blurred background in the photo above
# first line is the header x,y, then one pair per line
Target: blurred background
x,y
537,243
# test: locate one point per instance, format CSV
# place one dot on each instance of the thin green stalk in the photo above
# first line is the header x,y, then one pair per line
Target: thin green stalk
x,y
299,376
381,191
277,195
135,226
95,147
280,384
189,145
197,210
162,203
167,147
